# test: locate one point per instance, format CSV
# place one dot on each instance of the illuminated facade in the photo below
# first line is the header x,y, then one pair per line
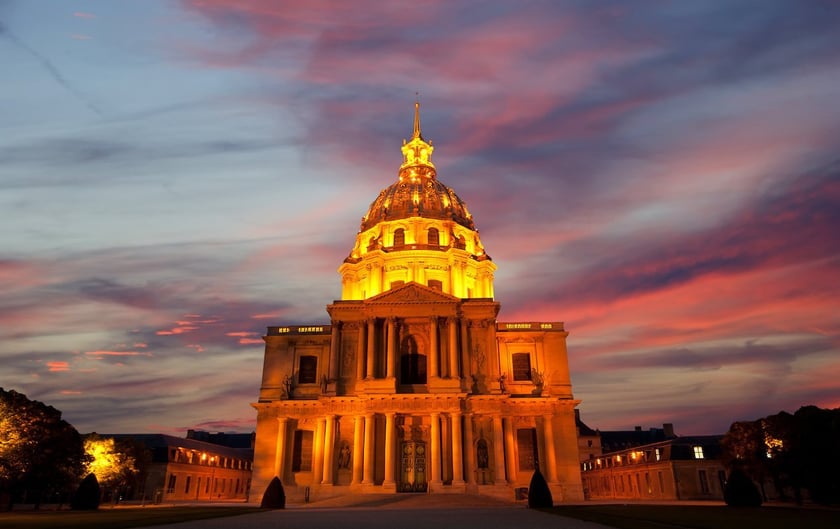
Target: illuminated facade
x,y
414,386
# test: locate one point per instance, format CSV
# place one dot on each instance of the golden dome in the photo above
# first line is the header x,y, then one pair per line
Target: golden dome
x,y
417,192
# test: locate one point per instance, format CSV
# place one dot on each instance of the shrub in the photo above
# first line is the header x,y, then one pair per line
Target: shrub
x,y
740,491
539,495
87,495
275,496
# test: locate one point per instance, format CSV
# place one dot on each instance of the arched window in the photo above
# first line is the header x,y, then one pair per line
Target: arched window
x,y
412,363
399,237
434,237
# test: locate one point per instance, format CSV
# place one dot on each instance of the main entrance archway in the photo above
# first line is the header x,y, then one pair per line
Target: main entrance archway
x,y
413,467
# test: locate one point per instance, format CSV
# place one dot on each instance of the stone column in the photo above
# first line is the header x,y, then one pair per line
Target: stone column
x,y
510,450
360,351
453,347
371,346
392,350
280,450
466,368
457,454
369,442
550,459
358,448
433,349
334,343
389,450
329,449
318,450
498,451
469,444
434,433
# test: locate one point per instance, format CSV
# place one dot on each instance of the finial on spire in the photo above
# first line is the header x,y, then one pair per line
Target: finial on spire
x,y
416,133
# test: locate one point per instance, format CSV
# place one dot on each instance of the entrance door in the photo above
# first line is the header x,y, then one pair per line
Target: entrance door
x,y
413,474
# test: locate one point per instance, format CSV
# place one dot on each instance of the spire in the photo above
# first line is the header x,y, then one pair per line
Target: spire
x,y
417,133
417,152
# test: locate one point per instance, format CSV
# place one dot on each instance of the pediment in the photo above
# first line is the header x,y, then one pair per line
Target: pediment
x,y
412,293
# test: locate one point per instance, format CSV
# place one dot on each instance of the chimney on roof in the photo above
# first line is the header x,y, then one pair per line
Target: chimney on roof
x,y
638,428
668,429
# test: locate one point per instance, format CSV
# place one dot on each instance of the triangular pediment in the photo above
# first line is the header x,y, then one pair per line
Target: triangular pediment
x,y
412,293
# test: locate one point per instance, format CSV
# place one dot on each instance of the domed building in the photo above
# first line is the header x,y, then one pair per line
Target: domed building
x,y
414,386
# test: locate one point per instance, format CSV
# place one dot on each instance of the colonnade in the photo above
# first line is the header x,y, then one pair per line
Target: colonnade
x,y
461,449
381,362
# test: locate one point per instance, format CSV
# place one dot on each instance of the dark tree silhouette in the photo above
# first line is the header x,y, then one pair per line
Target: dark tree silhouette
x,y
740,491
539,495
40,454
87,496
275,496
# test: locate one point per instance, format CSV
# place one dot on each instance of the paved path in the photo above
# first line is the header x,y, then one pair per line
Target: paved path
x,y
396,511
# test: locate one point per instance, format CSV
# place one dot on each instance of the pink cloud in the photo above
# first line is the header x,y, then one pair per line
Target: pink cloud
x,y
58,366
117,353
250,341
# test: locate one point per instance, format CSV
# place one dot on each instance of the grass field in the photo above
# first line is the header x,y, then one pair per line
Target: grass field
x,y
121,518
702,517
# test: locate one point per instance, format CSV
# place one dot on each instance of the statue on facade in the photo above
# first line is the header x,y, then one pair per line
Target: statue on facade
x,y
287,387
344,456
501,380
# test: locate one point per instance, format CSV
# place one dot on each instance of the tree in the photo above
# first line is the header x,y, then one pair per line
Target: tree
x,y
275,495
799,452
743,447
112,462
39,452
539,495
740,491
87,495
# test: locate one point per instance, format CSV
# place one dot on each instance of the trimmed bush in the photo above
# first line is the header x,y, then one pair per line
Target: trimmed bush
x,y
539,495
87,495
740,491
275,496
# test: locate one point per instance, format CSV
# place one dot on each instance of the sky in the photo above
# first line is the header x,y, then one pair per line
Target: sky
x,y
662,176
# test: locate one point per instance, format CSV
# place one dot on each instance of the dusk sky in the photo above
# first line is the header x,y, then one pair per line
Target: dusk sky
x,y
662,176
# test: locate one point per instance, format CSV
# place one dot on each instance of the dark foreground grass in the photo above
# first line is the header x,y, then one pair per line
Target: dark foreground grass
x,y
122,518
702,517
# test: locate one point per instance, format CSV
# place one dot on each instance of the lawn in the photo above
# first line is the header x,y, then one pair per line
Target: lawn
x,y
702,517
121,518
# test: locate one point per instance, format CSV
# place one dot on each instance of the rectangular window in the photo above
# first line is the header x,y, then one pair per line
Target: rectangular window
x,y
526,441
698,452
661,483
308,370
187,486
722,479
171,488
704,482
658,454
521,366
302,451
647,483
